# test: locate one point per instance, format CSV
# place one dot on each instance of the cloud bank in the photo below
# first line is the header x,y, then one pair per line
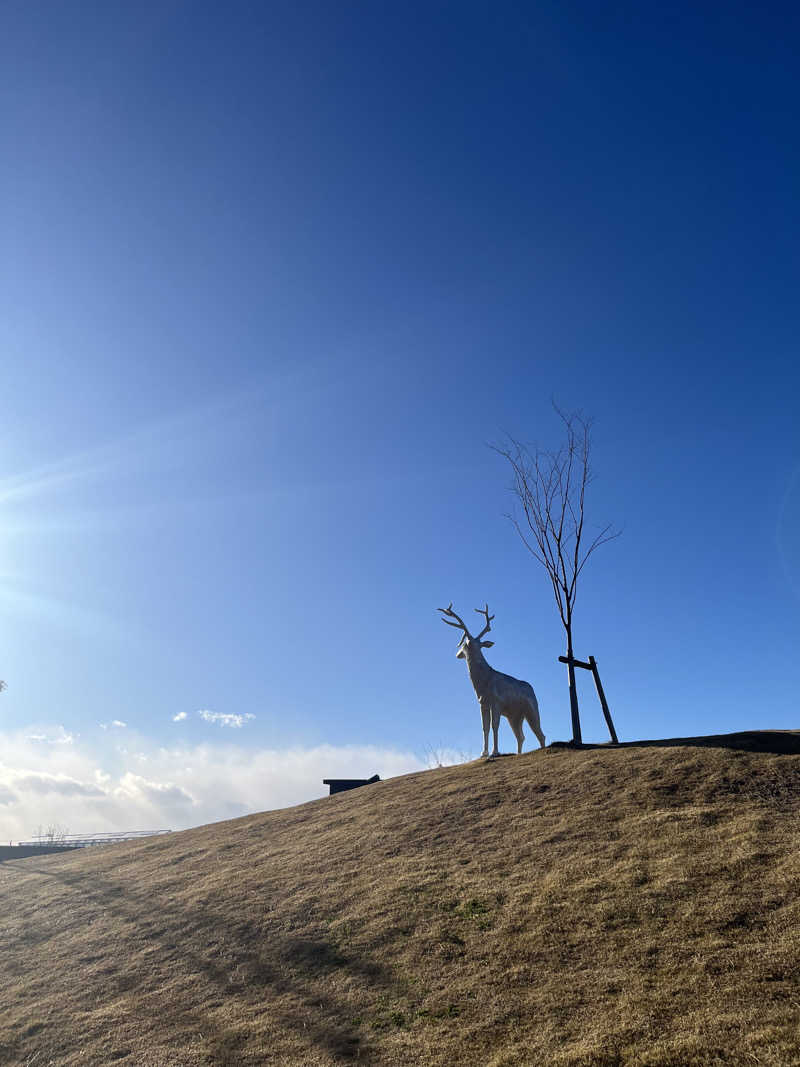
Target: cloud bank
x,y
144,787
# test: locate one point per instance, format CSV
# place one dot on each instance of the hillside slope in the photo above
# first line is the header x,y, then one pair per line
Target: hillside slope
x,y
603,906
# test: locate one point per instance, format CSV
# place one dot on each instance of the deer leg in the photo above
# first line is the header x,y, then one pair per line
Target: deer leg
x,y
519,733
495,724
533,721
486,716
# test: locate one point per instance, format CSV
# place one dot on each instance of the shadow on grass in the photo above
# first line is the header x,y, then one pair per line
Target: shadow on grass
x,y
776,742
259,967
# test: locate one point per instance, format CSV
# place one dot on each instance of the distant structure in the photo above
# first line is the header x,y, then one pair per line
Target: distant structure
x,y
44,844
341,785
87,840
25,851
498,694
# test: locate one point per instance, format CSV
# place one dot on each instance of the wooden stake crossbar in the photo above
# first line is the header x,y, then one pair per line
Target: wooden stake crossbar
x,y
592,666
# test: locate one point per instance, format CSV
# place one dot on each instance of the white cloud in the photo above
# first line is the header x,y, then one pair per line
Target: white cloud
x,y
134,787
118,722
58,737
35,782
89,788
234,721
182,716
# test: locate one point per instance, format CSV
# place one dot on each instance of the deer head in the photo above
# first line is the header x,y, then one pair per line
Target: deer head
x,y
467,639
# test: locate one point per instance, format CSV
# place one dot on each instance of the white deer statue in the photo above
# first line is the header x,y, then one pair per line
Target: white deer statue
x,y
498,694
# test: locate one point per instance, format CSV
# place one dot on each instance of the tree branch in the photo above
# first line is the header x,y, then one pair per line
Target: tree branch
x,y
550,487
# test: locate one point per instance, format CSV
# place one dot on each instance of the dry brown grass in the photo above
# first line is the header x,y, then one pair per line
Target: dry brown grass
x,y
605,906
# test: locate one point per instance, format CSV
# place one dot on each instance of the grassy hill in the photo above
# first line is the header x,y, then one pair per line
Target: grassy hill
x,y
605,906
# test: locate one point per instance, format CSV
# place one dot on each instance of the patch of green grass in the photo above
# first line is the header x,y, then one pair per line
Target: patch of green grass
x,y
474,909
452,1011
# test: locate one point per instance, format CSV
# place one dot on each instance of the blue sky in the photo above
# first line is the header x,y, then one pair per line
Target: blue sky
x,y
272,277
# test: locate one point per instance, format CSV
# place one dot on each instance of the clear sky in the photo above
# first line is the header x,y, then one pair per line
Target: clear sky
x,y
272,276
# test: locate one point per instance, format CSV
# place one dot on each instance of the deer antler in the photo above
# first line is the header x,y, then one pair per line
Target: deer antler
x,y
488,626
459,623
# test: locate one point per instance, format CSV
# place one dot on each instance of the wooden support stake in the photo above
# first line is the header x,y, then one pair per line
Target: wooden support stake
x,y
575,662
572,663
603,702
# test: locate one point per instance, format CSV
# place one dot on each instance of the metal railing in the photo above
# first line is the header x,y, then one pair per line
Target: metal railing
x,y
86,840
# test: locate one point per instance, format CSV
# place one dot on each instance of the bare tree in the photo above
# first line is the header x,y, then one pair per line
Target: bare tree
x,y
551,490
55,834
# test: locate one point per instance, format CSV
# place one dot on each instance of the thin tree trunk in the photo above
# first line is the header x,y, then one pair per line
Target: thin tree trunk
x,y
573,691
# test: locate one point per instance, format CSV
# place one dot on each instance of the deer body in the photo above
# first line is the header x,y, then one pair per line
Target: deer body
x,y
498,694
